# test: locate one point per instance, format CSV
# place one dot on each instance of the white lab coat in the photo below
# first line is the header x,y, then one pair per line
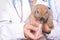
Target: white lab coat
x,y
42,2
55,33
10,26
13,30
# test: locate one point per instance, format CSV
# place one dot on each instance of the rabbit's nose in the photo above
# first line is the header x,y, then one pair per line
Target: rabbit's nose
x,y
42,19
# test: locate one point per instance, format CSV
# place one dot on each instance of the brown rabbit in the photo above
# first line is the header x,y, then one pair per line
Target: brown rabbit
x,y
43,14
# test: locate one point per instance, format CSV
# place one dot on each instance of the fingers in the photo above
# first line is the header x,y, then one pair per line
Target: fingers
x,y
40,35
33,28
27,31
46,29
31,35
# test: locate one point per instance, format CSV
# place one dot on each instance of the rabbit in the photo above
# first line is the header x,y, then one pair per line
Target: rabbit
x,y
43,14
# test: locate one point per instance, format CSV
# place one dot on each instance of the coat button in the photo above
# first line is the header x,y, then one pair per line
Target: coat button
x,y
10,21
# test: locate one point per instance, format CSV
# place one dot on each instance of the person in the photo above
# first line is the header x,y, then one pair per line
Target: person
x,y
12,26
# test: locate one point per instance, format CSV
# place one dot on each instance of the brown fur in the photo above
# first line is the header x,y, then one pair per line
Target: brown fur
x,y
41,11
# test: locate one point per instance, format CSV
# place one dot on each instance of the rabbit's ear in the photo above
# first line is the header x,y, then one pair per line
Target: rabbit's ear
x,y
50,20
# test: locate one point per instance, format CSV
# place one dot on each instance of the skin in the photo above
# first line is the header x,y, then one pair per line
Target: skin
x,y
34,28
29,34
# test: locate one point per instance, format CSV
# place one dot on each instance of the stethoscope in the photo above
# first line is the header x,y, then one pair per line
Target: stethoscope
x,y
55,9
57,13
49,3
10,21
13,1
4,22
30,3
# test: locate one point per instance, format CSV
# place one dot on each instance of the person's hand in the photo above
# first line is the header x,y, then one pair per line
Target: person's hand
x,y
30,30
46,28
